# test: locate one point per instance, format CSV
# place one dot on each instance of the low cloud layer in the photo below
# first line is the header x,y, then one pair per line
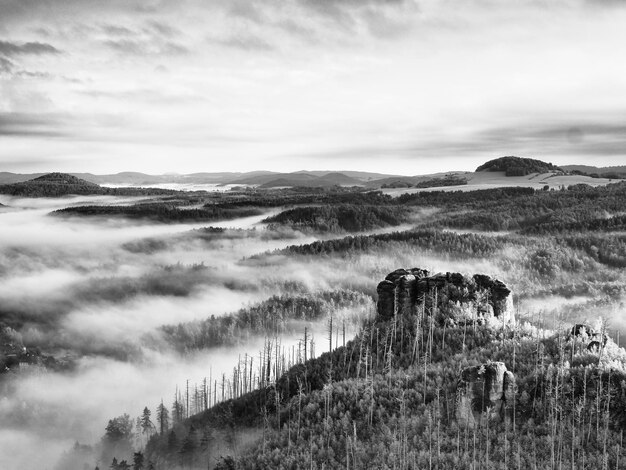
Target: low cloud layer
x,y
79,290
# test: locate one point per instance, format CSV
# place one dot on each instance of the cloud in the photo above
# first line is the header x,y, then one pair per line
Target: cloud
x,y
146,47
248,42
6,66
163,29
115,30
597,138
153,38
31,124
33,48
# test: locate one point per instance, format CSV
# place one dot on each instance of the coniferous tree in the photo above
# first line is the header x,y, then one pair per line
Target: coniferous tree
x,y
178,411
146,424
188,447
117,439
172,441
138,461
163,418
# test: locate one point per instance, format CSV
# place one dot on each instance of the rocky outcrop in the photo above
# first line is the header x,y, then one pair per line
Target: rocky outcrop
x,y
588,337
398,292
449,296
485,392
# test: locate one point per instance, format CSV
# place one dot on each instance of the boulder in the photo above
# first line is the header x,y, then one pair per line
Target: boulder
x,y
594,346
484,392
587,337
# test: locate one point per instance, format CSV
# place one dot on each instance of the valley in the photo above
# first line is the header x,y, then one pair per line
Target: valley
x,y
255,328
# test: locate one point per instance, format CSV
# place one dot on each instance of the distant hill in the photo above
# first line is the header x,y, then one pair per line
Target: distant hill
x,y
518,166
51,185
62,179
10,178
612,172
309,180
589,168
132,178
64,184
418,180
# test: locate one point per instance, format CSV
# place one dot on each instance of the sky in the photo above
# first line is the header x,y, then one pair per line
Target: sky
x,y
392,86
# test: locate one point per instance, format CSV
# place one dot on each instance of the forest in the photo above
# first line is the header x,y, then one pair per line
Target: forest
x,y
255,345
159,212
278,313
394,387
341,217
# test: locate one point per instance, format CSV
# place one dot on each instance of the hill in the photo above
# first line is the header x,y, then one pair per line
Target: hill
x,y
443,377
299,179
614,172
591,169
341,217
64,184
517,166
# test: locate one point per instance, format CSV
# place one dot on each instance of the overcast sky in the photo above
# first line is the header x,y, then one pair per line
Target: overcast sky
x,y
396,86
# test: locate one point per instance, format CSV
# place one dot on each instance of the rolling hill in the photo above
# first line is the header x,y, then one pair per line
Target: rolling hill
x,y
517,166
63,184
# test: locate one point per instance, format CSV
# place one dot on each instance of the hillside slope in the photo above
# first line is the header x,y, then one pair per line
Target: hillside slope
x,y
423,388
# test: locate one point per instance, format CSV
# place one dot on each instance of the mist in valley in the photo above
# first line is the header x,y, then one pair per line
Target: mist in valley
x,y
95,292
115,302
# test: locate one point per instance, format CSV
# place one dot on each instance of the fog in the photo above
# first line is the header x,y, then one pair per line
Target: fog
x,y
96,292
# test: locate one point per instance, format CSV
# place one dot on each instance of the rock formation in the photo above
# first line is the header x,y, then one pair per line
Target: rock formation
x,y
484,392
588,337
450,296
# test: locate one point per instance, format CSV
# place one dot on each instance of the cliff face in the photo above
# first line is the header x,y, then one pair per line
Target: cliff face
x,y
451,297
484,392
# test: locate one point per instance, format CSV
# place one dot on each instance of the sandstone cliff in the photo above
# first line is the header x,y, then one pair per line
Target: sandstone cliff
x,y
451,297
484,392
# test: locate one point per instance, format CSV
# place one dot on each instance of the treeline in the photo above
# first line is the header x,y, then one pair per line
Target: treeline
x,y
611,223
61,187
450,199
609,250
341,217
470,245
160,212
446,181
604,174
539,260
278,314
523,209
300,195
449,180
